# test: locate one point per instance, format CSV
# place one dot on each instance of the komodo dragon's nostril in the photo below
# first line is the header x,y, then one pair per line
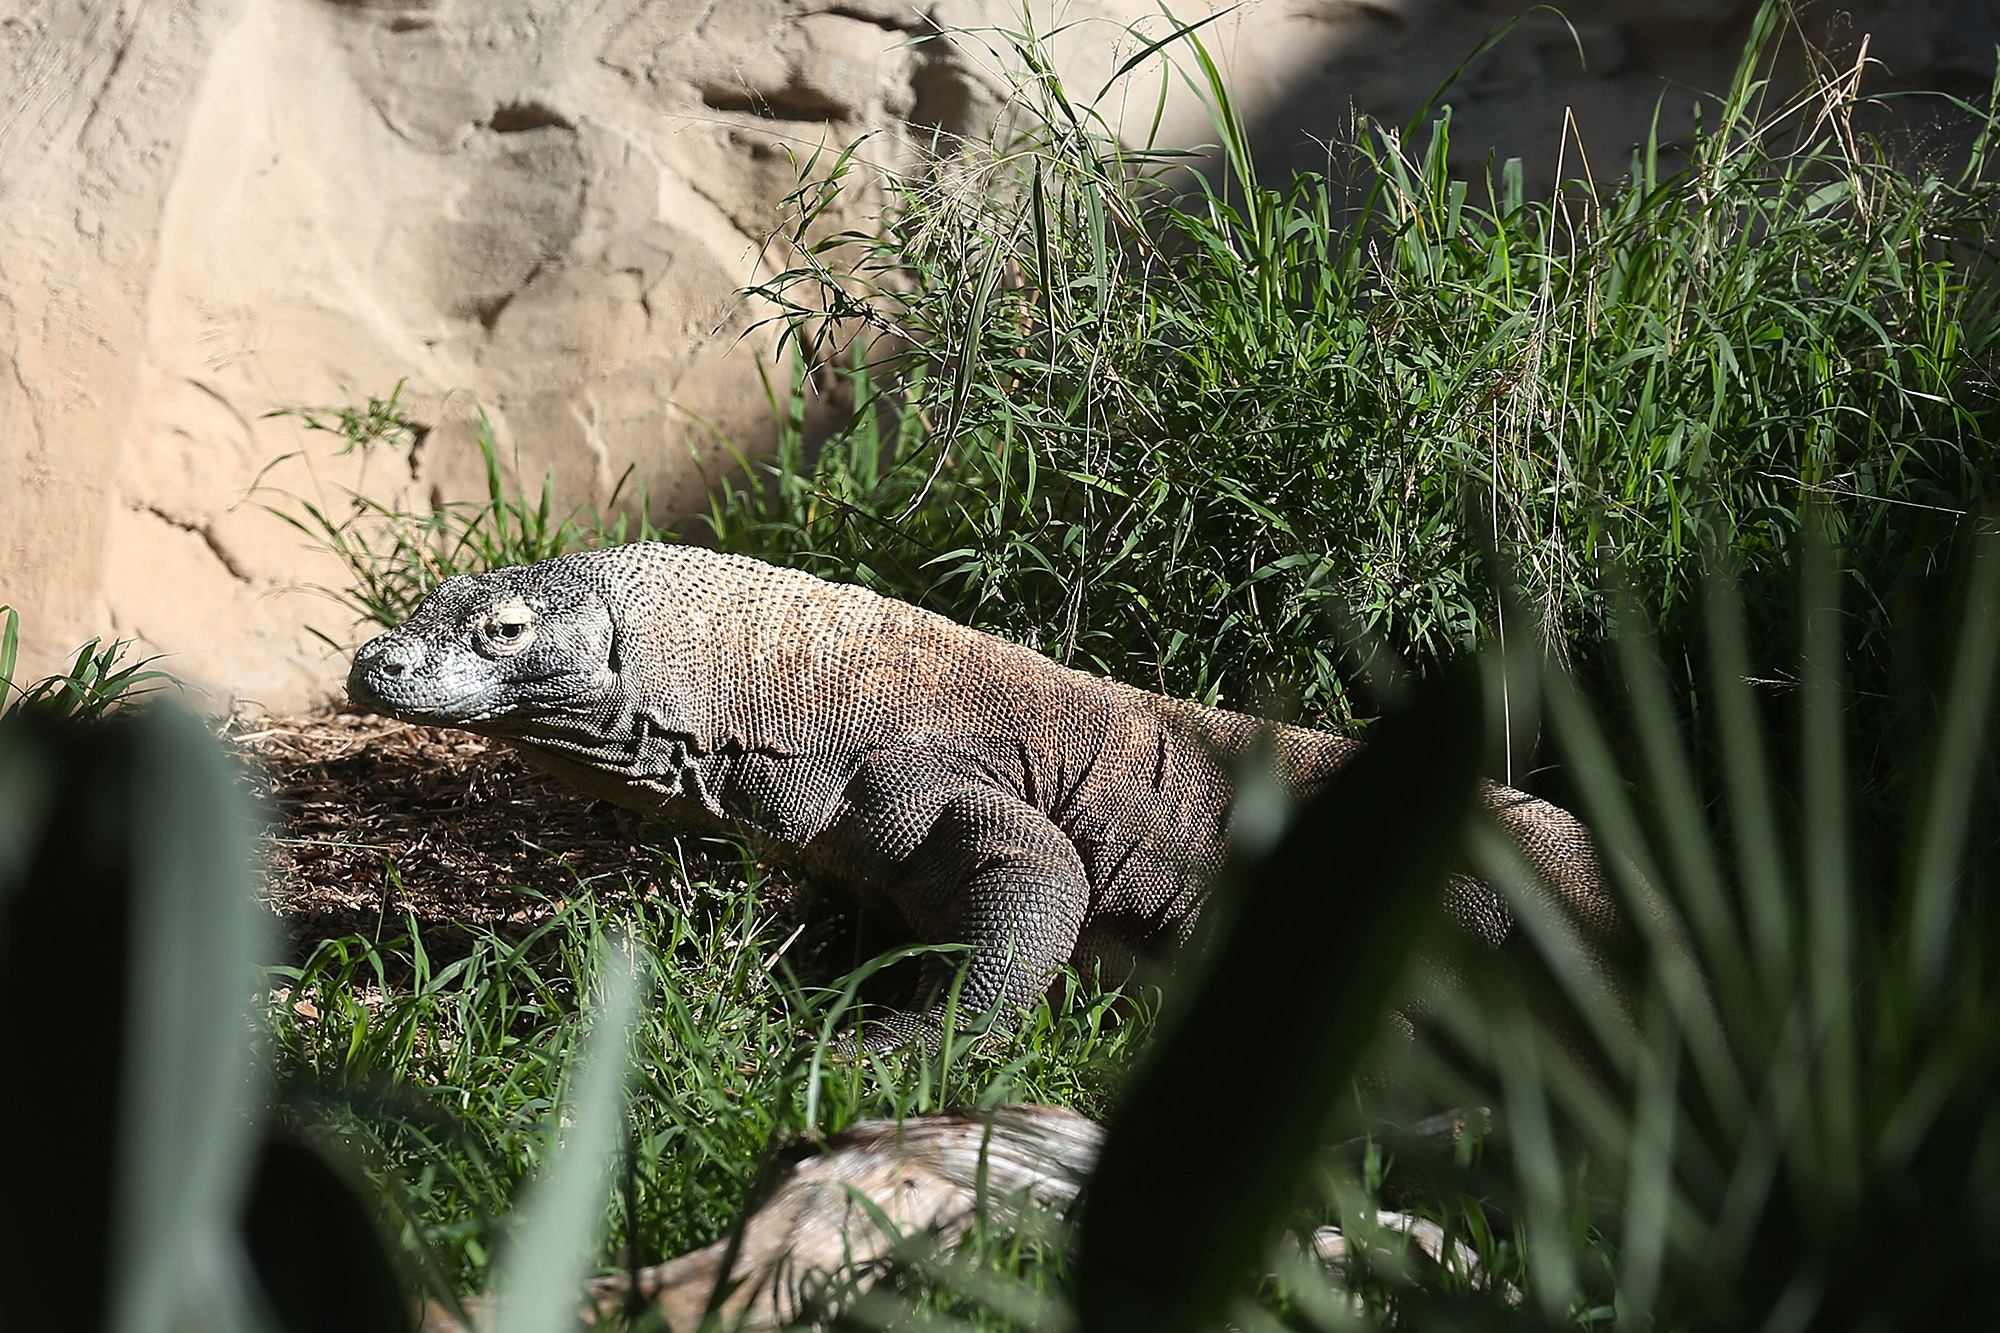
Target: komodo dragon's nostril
x,y
388,660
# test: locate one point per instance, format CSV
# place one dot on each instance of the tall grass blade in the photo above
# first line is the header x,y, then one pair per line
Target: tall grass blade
x,y
1933,888
1538,1162
1266,1035
556,1241
1178,32
1829,907
1762,882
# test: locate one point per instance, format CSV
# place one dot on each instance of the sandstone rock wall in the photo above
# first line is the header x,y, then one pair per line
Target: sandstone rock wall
x,y
213,208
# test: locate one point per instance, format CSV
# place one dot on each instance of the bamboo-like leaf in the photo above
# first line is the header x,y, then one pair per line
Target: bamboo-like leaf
x,y
1689,848
1760,1149
1538,1162
1266,1035
1649,1188
1932,890
550,1253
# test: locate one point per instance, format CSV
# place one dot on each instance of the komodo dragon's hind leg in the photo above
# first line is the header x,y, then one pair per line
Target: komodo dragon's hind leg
x,y
993,872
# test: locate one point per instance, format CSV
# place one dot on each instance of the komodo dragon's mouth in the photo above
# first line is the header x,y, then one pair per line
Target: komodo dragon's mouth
x,y
475,706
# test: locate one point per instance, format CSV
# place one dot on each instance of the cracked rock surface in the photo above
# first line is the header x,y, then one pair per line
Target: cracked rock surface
x,y
210,209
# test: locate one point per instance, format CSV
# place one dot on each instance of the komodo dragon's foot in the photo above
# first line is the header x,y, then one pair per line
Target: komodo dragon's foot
x,y
925,1030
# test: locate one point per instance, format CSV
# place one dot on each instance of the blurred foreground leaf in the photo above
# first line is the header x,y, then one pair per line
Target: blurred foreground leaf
x,y
1205,1153
128,935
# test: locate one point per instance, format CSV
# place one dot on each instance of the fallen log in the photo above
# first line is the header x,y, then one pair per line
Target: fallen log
x,y
837,1211
823,1220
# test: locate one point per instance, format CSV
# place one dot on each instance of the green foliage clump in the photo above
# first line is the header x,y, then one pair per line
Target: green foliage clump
x,y
1196,432
95,684
394,556
1791,1070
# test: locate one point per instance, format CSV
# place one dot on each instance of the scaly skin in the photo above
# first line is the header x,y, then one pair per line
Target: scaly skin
x,y
987,794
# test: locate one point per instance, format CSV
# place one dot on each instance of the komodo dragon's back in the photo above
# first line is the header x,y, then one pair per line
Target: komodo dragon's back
x,y
988,794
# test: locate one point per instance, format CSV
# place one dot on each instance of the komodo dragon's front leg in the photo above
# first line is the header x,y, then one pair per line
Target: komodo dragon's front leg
x,y
964,864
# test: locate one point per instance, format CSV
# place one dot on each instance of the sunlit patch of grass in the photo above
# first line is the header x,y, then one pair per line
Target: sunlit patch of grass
x,y
97,682
445,1085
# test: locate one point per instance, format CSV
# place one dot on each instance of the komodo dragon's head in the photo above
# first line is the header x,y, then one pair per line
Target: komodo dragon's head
x,y
506,653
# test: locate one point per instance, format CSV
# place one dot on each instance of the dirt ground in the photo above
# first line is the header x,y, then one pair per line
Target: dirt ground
x,y
370,819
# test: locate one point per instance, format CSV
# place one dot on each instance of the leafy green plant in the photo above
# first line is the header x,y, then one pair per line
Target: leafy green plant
x,y
1192,430
394,557
1803,1074
94,685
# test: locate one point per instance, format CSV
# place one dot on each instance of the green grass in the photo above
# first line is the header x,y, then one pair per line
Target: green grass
x,y
97,682
442,1079
394,557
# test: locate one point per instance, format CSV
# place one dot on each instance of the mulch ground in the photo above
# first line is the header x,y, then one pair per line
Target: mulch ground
x,y
371,819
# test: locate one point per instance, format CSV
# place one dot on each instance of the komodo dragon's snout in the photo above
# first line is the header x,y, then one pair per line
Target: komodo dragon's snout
x,y
988,795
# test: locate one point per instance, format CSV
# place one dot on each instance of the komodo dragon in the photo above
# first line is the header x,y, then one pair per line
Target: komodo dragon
x,y
988,795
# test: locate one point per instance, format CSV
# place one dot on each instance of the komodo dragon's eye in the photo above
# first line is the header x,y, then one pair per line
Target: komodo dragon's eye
x,y
508,627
